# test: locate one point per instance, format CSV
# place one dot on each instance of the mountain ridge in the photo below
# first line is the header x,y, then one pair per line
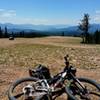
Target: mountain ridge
x,y
67,29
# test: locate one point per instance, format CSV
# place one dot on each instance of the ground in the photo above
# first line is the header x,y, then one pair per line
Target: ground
x,y
17,56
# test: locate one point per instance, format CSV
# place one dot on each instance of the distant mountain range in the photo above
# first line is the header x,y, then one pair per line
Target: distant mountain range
x,y
50,29
31,26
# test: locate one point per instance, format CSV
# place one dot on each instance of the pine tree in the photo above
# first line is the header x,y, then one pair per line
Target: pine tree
x,y
63,34
6,32
84,27
1,33
97,37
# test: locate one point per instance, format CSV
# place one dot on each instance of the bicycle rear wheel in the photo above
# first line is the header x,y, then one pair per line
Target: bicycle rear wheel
x,y
76,92
15,91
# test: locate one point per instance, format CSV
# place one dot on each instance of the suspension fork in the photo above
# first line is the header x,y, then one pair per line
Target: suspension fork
x,y
83,90
76,80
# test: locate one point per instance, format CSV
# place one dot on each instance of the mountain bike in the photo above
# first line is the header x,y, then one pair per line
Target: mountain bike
x,y
38,87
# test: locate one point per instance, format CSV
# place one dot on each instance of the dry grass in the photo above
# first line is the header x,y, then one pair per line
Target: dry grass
x,y
19,55
48,51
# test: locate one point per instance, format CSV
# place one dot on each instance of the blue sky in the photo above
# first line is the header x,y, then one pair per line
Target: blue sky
x,y
48,11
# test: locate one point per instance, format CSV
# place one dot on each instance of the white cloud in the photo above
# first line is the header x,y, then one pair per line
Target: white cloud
x,y
10,16
1,10
19,20
96,18
7,13
97,11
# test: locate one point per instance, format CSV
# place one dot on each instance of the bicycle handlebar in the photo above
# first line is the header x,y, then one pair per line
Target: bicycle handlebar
x,y
66,57
66,60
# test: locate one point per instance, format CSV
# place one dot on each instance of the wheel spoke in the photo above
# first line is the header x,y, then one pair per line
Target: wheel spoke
x,y
19,95
95,93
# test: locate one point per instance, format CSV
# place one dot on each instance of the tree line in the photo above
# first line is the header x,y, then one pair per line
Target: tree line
x,y
4,33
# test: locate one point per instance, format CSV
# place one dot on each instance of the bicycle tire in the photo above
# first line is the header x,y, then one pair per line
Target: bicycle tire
x,y
19,81
89,81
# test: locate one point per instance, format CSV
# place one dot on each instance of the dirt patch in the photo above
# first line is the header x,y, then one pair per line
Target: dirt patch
x,y
8,76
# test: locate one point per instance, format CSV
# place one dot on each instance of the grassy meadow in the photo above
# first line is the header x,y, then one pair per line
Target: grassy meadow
x,y
48,51
17,56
